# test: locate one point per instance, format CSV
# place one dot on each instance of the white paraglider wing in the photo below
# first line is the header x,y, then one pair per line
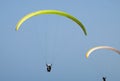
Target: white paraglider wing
x,y
101,47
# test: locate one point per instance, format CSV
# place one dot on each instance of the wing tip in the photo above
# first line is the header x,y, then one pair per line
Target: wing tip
x,y
87,56
16,29
85,33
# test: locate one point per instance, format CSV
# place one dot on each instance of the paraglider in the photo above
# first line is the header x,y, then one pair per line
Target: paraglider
x,y
104,78
57,12
101,47
49,66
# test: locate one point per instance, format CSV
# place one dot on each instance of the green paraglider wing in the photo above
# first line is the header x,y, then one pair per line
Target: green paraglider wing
x,y
57,12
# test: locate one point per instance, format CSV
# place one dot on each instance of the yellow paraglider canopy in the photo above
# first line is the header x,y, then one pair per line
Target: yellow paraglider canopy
x,y
57,12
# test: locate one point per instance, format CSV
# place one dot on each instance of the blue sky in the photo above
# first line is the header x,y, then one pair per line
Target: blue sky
x,y
58,40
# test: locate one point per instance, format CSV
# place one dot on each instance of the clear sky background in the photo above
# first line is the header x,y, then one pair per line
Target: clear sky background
x,y
57,40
